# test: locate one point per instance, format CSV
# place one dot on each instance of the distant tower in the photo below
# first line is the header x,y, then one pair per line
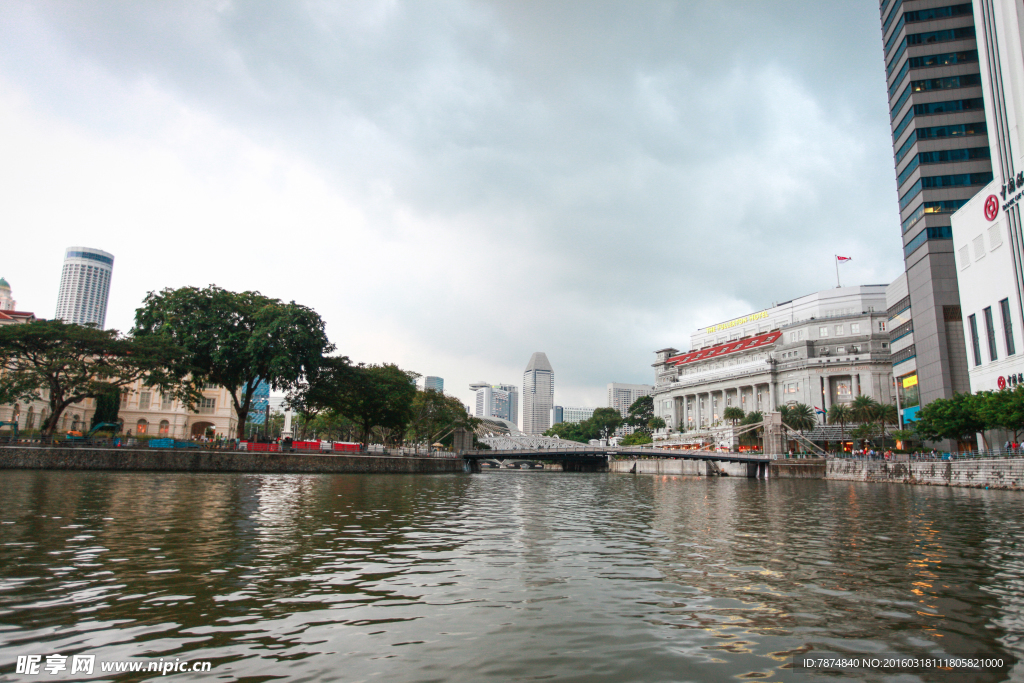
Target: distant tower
x,y
6,302
85,286
433,384
538,394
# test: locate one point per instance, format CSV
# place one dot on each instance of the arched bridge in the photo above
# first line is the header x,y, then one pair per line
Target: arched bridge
x,y
595,458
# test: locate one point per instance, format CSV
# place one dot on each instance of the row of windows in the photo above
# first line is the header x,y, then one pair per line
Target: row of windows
x,y
953,131
933,108
90,256
990,332
903,355
941,232
995,240
935,181
891,16
901,331
930,84
927,15
943,156
929,61
946,206
928,38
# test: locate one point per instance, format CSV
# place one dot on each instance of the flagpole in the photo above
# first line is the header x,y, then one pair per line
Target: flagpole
x,y
838,286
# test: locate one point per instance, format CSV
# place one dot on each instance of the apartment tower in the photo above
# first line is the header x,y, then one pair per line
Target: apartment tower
x,y
538,394
941,151
85,286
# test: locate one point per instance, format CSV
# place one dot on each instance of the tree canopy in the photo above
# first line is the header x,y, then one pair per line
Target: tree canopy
x,y
65,364
953,418
235,340
639,415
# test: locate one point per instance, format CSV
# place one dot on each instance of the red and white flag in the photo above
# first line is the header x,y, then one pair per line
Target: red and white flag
x,y
844,258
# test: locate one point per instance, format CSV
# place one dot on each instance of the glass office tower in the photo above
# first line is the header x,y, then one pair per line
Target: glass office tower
x,y
941,153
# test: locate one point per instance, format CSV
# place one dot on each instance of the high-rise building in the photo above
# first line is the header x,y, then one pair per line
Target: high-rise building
x,y
557,415
940,144
622,396
431,383
538,394
987,235
85,286
575,413
497,400
7,302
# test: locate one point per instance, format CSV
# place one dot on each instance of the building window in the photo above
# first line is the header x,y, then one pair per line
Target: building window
x,y
792,387
881,326
841,350
839,330
141,426
145,398
854,328
207,406
975,342
165,427
844,389
1004,310
823,331
166,402
855,348
990,330
124,398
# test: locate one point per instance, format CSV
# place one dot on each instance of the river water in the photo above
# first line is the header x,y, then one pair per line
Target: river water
x,y
504,576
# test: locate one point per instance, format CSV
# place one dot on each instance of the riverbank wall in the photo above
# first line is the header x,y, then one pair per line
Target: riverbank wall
x,y
692,468
999,473
797,468
152,460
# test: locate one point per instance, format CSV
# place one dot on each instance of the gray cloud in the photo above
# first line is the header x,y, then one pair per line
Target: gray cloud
x,y
592,181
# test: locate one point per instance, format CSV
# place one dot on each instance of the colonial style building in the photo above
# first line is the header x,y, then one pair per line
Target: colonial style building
x,y
820,349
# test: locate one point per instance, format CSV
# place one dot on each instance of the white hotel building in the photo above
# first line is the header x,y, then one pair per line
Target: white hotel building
x,y
820,349
988,240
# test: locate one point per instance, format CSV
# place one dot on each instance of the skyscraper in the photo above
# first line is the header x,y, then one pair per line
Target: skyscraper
x,y
538,394
431,383
85,286
940,144
497,400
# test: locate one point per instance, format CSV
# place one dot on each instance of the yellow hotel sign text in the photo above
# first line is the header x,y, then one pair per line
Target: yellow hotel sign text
x,y
738,321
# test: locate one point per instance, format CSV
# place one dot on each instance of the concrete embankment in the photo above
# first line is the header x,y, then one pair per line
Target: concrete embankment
x,y
693,468
797,468
1000,473
152,460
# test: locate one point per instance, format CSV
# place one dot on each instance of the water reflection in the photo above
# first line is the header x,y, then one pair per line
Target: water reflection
x,y
502,576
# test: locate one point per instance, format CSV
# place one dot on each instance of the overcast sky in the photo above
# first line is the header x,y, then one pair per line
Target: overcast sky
x,y
454,185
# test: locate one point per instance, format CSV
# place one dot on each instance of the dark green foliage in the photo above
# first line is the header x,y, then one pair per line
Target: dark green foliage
x,y
235,340
71,363
108,404
639,415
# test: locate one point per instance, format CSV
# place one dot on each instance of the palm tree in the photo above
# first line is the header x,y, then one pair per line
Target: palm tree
x,y
799,416
752,437
733,414
886,414
865,409
840,414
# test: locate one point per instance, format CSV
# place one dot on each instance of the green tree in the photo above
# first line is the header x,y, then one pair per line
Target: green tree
x,y
864,408
1002,409
657,423
605,421
108,404
753,437
734,414
378,397
636,439
949,418
863,431
569,431
799,416
66,364
886,414
435,417
235,340
840,414
640,413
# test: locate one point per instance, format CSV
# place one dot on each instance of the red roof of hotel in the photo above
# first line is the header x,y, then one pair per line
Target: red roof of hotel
x,y
726,349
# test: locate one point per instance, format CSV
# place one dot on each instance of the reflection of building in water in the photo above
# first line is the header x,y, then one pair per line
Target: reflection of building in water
x,y
820,349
